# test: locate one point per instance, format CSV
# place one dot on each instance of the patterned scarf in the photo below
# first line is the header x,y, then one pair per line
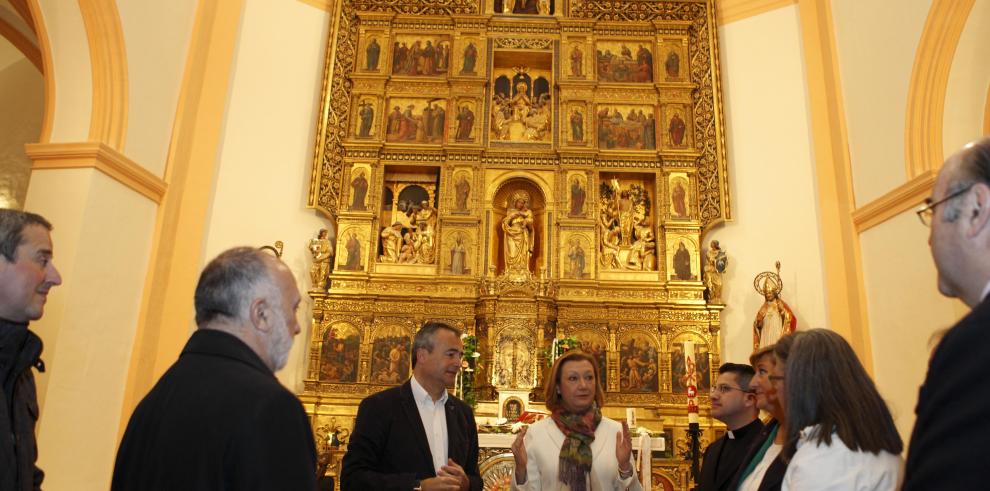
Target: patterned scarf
x,y
575,453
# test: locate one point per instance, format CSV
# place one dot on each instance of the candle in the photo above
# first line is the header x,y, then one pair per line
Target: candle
x,y
631,418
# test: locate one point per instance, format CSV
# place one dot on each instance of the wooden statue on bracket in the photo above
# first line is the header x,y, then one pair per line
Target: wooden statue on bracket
x,y
518,239
775,318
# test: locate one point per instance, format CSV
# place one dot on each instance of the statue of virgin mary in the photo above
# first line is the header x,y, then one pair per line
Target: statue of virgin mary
x,y
518,234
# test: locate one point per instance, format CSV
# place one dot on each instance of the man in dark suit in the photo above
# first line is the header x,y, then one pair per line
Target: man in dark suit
x,y
416,436
952,423
734,404
218,418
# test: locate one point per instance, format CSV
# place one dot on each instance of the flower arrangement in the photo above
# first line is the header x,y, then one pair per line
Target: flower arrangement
x,y
559,347
469,363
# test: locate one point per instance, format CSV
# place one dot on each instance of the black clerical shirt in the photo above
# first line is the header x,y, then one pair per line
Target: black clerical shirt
x,y
725,455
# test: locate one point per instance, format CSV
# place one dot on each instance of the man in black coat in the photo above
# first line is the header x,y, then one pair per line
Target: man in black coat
x,y
952,423
734,404
218,418
26,275
416,436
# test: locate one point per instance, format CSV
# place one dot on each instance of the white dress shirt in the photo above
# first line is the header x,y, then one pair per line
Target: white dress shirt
x,y
835,467
434,417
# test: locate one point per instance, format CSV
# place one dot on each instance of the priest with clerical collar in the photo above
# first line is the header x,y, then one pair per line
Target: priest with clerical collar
x,y
734,404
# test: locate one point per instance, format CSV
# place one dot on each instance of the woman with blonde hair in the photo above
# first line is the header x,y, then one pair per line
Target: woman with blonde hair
x,y
576,448
840,434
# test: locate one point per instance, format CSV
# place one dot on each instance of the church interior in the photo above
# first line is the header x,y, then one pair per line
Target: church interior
x,y
656,182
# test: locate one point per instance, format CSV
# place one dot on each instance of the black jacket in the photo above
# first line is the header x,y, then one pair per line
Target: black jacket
x,y
389,451
953,412
19,415
218,419
724,457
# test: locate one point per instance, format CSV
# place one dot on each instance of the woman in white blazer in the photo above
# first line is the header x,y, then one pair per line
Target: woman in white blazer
x,y
576,448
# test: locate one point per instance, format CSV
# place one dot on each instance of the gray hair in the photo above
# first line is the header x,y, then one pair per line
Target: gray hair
x,y
229,283
12,223
424,337
974,168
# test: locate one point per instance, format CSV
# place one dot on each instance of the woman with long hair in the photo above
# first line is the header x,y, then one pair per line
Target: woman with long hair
x,y
576,448
840,434
763,468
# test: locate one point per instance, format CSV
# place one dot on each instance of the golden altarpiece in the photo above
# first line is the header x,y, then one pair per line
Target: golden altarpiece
x,y
526,170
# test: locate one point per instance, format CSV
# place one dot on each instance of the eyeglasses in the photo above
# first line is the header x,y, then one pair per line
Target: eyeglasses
x,y
926,212
724,389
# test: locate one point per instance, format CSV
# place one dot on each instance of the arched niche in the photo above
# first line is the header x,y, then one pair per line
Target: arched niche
x,y
500,206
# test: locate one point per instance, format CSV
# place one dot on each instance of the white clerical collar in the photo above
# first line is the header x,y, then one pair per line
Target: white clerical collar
x,y
986,291
421,395
732,436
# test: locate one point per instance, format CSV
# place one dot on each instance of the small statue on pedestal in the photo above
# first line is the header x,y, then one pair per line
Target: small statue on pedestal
x,y
322,250
715,263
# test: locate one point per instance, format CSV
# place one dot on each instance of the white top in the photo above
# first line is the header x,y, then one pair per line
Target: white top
x,y
986,291
836,467
543,441
434,422
753,480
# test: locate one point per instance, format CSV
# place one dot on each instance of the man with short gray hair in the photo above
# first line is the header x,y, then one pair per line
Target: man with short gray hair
x,y
27,274
218,418
952,424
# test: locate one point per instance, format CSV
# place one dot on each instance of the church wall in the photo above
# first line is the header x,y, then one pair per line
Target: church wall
x,y
875,58
267,146
155,60
968,80
73,82
771,175
22,100
102,240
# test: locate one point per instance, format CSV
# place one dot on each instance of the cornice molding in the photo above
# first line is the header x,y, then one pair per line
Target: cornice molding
x,y
108,57
25,45
895,202
100,156
929,83
727,11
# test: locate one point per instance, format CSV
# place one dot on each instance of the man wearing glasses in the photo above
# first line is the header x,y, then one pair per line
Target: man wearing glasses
x,y
952,423
734,404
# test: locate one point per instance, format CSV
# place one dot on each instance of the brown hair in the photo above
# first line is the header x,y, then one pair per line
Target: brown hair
x,y
828,386
553,380
759,354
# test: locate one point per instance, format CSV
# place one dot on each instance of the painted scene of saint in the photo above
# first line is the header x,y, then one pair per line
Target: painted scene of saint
x,y
416,120
679,196
674,126
414,55
673,61
638,370
596,347
578,194
626,127
576,56
578,258
469,57
372,55
463,120
685,371
390,359
351,259
625,61
458,261
575,125
340,353
681,261
364,124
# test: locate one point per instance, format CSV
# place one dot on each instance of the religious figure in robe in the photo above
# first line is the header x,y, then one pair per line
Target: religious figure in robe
x,y
682,262
470,58
715,263
627,222
577,198
465,122
577,126
366,114
458,254
673,64
461,190
676,130
575,256
391,243
359,188
518,238
322,250
371,54
775,318
678,200
353,247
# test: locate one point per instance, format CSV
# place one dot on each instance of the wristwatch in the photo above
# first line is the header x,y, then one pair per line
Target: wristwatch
x,y
417,485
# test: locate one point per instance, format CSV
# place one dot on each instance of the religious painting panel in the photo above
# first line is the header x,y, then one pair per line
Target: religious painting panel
x,y
465,123
459,253
340,353
411,236
679,191
420,55
577,194
616,61
373,44
576,60
391,355
626,127
416,120
367,122
518,228
576,130
682,254
673,52
521,106
677,130
514,356
470,56
360,178
690,363
351,248
577,259
626,218
512,409
462,180
594,343
638,362
524,7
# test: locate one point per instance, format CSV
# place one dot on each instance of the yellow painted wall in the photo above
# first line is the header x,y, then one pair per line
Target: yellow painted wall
x,y
268,142
968,81
72,70
771,174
